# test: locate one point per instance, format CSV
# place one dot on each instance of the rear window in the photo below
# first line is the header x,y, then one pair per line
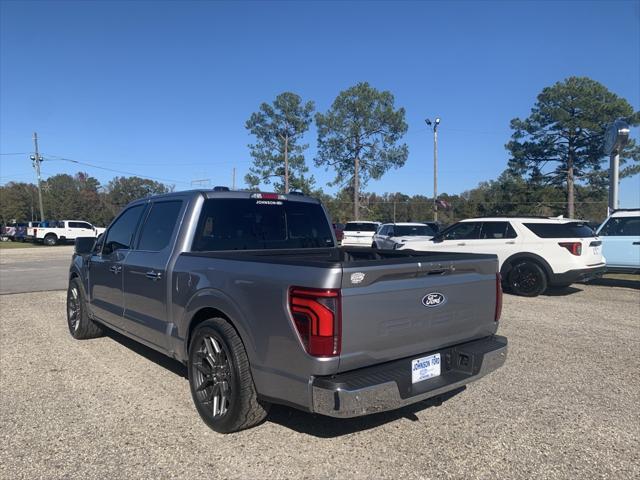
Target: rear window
x,y
360,227
249,224
412,230
561,230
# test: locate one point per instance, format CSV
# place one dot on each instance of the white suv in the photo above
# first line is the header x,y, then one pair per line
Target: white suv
x,y
533,252
359,234
392,235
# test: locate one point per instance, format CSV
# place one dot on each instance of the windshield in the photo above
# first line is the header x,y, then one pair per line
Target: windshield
x,y
412,231
360,227
251,224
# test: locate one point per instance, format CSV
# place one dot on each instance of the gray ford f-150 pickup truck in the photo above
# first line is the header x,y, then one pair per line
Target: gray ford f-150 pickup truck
x,y
250,292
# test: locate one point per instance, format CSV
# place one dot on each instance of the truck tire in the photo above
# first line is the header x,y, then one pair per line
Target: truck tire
x,y
50,239
527,279
80,324
220,379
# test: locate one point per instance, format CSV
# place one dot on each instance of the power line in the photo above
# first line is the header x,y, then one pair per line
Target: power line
x,y
19,153
193,164
116,171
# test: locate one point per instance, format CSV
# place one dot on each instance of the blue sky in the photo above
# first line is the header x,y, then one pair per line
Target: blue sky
x,y
163,89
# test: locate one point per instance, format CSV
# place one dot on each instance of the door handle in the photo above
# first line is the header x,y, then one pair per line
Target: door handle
x,y
115,269
636,243
462,244
153,275
510,243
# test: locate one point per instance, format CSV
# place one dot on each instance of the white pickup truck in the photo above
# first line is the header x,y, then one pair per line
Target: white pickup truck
x,y
54,232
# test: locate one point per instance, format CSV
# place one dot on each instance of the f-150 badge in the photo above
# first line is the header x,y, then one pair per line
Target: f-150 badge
x,y
357,277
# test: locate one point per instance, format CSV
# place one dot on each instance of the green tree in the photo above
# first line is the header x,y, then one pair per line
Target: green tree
x,y
122,190
278,127
561,142
359,136
19,202
61,199
72,197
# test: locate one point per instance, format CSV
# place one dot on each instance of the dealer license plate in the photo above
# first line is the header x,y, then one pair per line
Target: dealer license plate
x,y
425,368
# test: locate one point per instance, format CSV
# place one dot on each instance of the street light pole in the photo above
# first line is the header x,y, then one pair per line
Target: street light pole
x,y
615,139
434,125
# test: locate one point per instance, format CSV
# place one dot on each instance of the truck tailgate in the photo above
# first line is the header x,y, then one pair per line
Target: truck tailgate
x,y
387,314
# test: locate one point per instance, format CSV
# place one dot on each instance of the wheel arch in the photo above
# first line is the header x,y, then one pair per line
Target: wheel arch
x,y
507,265
210,304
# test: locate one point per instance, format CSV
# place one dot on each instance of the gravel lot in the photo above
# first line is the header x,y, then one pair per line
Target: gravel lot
x,y
566,405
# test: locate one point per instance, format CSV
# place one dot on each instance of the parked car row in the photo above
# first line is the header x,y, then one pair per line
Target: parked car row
x,y
534,253
16,232
50,232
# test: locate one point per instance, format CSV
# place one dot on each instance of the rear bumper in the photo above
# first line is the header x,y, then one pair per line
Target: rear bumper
x,y
579,275
388,386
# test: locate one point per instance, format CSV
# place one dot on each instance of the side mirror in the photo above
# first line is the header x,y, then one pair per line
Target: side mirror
x,y
84,245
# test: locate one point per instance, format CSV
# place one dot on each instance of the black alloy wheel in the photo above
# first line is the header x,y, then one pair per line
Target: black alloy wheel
x,y
527,279
220,378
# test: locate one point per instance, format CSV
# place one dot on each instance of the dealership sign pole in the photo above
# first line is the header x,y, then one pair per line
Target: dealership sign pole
x,y
615,138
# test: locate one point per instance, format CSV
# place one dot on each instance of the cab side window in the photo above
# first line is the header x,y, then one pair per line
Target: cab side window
x,y
121,233
80,225
159,226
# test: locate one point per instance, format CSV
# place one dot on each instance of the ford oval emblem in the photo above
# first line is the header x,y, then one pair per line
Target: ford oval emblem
x,y
434,299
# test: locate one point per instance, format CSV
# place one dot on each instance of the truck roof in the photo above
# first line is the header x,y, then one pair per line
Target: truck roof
x,y
218,193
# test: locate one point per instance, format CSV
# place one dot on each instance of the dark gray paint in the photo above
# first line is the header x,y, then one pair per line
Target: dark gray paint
x,y
382,315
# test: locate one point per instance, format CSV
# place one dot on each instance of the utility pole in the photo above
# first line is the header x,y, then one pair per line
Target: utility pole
x,y
233,181
434,125
37,160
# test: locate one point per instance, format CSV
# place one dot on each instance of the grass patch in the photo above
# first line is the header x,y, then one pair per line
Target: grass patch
x,y
8,245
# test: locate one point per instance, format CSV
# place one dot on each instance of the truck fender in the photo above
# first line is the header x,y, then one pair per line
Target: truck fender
x,y
211,298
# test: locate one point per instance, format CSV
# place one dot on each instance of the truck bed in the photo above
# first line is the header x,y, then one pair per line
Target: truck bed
x,y
340,256
383,314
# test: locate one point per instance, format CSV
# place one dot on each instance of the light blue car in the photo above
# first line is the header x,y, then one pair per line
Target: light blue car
x,y
620,235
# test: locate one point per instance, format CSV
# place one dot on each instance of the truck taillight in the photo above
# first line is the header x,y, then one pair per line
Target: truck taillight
x,y
498,311
574,247
317,317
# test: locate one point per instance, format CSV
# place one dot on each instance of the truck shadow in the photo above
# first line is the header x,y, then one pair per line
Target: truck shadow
x,y
297,420
170,364
328,427
561,291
